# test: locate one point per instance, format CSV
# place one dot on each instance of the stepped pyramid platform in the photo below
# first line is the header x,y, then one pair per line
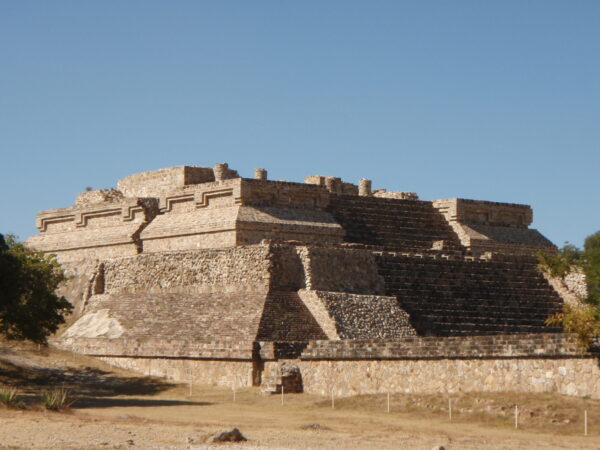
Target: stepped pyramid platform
x,y
197,271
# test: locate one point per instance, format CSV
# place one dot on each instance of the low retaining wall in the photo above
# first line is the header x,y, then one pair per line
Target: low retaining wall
x,y
569,376
549,362
217,372
464,347
417,365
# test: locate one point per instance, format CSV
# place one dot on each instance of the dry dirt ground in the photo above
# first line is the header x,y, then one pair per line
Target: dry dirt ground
x,y
119,409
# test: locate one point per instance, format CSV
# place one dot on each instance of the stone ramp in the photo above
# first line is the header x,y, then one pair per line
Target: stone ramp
x,y
457,296
408,225
197,317
171,315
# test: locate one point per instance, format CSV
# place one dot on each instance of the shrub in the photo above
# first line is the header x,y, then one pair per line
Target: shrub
x,y
57,399
583,320
561,263
9,398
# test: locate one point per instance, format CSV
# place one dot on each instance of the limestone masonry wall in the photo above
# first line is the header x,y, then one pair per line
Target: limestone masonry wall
x,y
156,182
363,316
283,193
492,346
229,373
101,225
528,363
568,376
245,268
158,347
484,226
341,270
523,363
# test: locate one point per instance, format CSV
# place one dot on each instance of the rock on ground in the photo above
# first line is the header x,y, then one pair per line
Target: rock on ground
x,y
233,435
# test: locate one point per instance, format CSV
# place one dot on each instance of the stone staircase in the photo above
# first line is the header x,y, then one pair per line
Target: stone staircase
x,y
405,225
286,318
460,296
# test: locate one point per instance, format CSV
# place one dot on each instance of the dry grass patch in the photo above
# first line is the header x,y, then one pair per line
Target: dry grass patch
x,y
549,413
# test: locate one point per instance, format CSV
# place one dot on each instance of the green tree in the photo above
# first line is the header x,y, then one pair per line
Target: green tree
x,y
29,307
584,319
591,265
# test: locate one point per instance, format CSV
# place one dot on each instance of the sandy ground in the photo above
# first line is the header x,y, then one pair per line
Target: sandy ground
x,y
117,409
169,420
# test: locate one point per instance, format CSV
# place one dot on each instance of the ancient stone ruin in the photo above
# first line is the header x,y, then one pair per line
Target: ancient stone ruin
x,y
196,273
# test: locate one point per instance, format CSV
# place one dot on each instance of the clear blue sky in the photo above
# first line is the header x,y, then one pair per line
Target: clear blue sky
x,y
493,100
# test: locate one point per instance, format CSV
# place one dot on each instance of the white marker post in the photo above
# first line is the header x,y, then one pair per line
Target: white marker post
x,y
585,433
516,416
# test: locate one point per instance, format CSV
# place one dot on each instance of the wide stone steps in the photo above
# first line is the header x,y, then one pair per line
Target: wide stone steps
x,y
470,297
472,329
442,292
483,317
396,224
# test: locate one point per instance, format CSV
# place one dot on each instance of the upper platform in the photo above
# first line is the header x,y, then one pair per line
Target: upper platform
x,y
193,207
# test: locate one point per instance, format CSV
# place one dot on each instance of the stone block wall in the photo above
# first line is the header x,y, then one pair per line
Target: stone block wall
x,y
493,346
486,213
522,363
240,211
93,230
156,182
217,372
341,270
484,226
310,225
283,193
353,316
287,269
229,269
568,376
158,347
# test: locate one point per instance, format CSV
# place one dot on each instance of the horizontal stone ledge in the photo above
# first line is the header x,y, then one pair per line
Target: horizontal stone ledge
x,y
157,348
185,358
441,357
549,345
